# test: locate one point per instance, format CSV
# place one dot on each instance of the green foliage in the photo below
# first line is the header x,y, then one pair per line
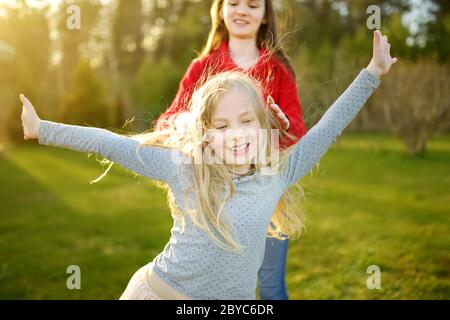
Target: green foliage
x,y
127,35
85,102
186,26
13,126
398,35
72,41
27,31
439,38
155,86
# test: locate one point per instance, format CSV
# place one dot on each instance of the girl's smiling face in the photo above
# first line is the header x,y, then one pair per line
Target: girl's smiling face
x,y
234,137
243,17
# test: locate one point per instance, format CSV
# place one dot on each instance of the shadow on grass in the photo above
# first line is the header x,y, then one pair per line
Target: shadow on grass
x,y
41,236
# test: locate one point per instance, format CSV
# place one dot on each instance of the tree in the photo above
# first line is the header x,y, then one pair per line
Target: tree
x,y
26,29
85,102
438,31
127,52
155,86
72,43
127,35
415,100
184,29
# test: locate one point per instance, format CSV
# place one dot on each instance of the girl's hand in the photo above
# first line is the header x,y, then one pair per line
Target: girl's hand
x,y
381,60
30,119
278,113
182,121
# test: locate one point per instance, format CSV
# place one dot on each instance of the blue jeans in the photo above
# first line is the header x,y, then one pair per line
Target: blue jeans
x,y
271,275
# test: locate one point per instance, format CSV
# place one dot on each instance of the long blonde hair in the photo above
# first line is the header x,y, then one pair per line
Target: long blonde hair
x,y
212,183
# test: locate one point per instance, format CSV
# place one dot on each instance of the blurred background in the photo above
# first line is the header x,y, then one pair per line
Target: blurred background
x,y
380,197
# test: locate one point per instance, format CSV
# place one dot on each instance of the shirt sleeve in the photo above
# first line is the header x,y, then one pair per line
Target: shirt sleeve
x,y
152,162
310,149
289,102
184,93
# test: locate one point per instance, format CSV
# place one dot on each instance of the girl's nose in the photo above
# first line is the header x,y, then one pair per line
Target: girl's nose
x,y
235,134
241,10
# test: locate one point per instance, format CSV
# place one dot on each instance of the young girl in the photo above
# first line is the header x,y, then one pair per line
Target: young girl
x,y
220,218
244,37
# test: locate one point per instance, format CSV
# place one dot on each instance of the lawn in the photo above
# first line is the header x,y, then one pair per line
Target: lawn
x,y
368,203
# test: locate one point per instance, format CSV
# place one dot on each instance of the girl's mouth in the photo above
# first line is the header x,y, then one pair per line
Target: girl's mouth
x,y
240,21
240,148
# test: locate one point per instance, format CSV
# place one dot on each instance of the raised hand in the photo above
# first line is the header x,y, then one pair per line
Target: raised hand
x,y
278,113
30,119
381,59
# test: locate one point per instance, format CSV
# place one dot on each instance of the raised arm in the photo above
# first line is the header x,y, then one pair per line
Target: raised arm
x,y
310,149
152,162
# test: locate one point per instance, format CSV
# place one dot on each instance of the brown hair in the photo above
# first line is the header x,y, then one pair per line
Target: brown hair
x,y
267,36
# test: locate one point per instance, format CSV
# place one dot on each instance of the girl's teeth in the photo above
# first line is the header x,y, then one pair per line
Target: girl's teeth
x,y
239,148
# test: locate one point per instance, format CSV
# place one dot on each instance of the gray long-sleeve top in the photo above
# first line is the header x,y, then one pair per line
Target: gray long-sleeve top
x,y
191,262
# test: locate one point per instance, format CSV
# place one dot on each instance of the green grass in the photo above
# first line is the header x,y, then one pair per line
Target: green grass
x,y
367,204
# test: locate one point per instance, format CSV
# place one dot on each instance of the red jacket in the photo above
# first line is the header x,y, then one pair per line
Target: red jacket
x,y
276,80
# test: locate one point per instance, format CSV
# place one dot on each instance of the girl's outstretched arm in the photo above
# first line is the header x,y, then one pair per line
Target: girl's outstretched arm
x,y
310,149
153,162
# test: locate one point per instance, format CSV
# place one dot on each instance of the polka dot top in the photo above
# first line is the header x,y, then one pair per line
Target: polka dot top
x,y
191,262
